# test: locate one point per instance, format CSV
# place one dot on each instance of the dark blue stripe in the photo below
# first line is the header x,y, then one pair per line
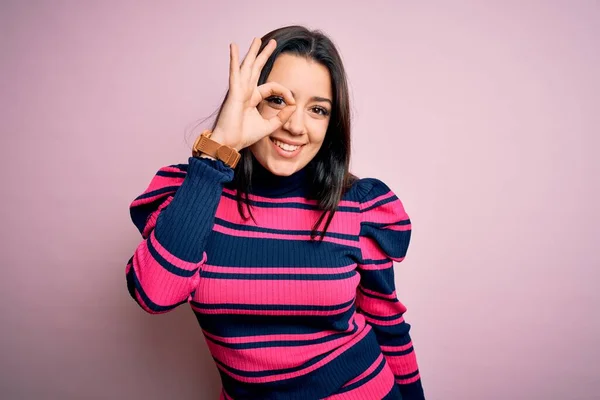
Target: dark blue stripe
x,y
365,379
167,265
171,174
382,225
380,318
166,189
283,343
361,289
270,307
283,277
242,325
370,261
278,253
133,281
381,202
250,228
408,376
257,374
380,281
399,352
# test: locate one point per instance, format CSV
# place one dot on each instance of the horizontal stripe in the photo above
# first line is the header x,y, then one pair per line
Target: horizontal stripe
x,y
380,203
381,317
277,253
289,270
279,277
283,342
240,227
391,298
284,236
399,352
314,334
266,307
343,206
171,174
154,193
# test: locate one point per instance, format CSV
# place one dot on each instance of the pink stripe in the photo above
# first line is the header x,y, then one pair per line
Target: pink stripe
x,y
399,228
377,322
380,308
404,365
290,375
301,200
369,203
160,285
409,380
371,250
263,235
286,337
274,291
387,296
288,218
279,270
179,263
397,348
389,213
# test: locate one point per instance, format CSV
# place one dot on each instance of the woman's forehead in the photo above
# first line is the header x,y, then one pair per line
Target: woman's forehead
x,y
304,77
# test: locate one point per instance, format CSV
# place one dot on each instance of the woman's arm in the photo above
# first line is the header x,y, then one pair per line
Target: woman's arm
x,y
175,216
384,238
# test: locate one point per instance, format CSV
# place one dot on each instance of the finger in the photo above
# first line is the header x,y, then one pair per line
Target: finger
x,y
274,88
234,63
281,118
261,60
250,56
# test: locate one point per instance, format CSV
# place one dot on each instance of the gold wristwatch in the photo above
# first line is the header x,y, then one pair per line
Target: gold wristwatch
x,y
204,144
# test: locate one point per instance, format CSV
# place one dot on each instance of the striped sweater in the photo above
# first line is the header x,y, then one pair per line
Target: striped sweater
x,y
284,317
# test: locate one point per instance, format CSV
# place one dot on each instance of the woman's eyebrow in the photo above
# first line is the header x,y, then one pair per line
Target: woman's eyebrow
x,y
318,98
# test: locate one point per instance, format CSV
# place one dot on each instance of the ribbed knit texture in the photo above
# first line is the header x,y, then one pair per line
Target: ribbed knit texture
x,y
284,317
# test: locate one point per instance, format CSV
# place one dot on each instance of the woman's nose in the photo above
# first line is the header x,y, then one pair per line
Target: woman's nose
x,y
295,124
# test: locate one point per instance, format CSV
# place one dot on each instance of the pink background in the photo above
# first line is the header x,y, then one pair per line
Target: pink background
x,y
482,116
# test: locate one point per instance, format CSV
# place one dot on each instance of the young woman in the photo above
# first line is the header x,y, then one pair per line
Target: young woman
x,y
284,256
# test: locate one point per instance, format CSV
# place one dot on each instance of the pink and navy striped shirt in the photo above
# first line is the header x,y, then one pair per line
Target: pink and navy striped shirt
x,y
284,316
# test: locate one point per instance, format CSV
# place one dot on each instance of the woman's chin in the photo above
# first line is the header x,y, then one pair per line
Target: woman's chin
x,y
279,168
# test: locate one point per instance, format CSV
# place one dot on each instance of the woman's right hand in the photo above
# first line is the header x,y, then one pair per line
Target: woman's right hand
x,y
240,124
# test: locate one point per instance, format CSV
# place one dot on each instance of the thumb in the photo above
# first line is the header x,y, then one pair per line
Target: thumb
x,y
281,117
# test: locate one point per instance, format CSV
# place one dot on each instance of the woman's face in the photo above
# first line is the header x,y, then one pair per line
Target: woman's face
x,y
304,132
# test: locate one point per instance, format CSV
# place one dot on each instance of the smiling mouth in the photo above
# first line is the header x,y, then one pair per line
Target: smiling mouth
x,y
284,146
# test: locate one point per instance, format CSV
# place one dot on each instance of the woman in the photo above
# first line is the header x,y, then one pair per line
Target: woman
x,y
284,256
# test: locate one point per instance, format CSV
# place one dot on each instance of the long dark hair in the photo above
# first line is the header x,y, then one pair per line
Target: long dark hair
x,y
330,166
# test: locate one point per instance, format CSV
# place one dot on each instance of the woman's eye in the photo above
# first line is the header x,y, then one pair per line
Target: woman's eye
x,y
276,100
321,111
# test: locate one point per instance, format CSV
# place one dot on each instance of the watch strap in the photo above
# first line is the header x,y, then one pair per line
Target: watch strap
x,y
205,145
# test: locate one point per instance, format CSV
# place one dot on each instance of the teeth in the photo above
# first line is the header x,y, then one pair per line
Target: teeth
x,y
285,146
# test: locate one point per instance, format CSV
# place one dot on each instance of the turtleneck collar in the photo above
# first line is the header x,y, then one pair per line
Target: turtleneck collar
x,y
267,184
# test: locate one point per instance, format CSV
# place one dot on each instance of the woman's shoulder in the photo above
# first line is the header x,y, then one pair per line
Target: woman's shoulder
x,y
366,189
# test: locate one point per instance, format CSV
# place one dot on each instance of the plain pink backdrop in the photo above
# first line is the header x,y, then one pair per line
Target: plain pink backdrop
x,y
481,115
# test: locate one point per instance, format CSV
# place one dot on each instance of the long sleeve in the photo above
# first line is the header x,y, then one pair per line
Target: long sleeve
x,y
384,238
175,216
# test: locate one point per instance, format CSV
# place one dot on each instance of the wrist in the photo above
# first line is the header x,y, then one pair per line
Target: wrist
x,y
220,137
